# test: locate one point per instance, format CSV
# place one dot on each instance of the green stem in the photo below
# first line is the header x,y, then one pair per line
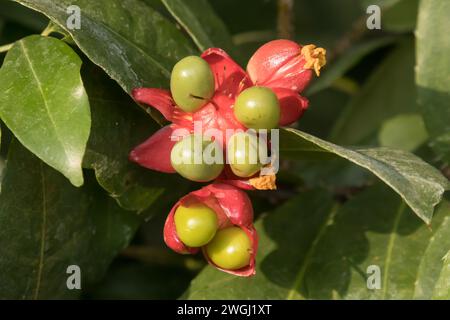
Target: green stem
x,y
48,30
285,19
6,47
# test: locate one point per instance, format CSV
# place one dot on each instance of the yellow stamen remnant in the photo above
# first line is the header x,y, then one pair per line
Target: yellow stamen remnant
x,y
315,57
264,182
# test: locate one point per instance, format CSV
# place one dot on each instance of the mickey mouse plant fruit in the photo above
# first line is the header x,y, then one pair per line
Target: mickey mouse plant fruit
x,y
196,224
217,220
231,249
212,93
243,154
257,108
191,83
187,158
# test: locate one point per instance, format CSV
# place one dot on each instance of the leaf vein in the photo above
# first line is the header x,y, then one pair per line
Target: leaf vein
x,y
39,85
390,248
302,271
43,235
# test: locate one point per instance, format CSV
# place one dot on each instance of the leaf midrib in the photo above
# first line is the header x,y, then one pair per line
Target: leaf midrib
x,y
194,37
43,234
44,99
390,247
302,271
324,145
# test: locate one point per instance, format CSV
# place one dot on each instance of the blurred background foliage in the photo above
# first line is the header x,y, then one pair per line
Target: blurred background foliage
x,y
366,96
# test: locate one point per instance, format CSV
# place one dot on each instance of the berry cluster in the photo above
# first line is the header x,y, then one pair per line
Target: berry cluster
x,y
215,92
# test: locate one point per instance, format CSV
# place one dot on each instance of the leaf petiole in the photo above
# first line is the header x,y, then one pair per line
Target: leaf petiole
x,y
6,47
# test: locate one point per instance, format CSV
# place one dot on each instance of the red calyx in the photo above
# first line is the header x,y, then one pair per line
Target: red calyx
x,y
233,208
277,65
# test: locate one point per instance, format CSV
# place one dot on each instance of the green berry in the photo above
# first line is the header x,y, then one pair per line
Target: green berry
x,y
242,152
191,83
197,159
230,249
196,225
257,108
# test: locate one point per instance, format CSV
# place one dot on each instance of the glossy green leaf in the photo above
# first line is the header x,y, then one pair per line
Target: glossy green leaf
x,y
313,248
434,265
2,160
43,102
348,60
118,126
132,42
405,131
418,183
198,18
432,72
389,91
441,291
48,225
